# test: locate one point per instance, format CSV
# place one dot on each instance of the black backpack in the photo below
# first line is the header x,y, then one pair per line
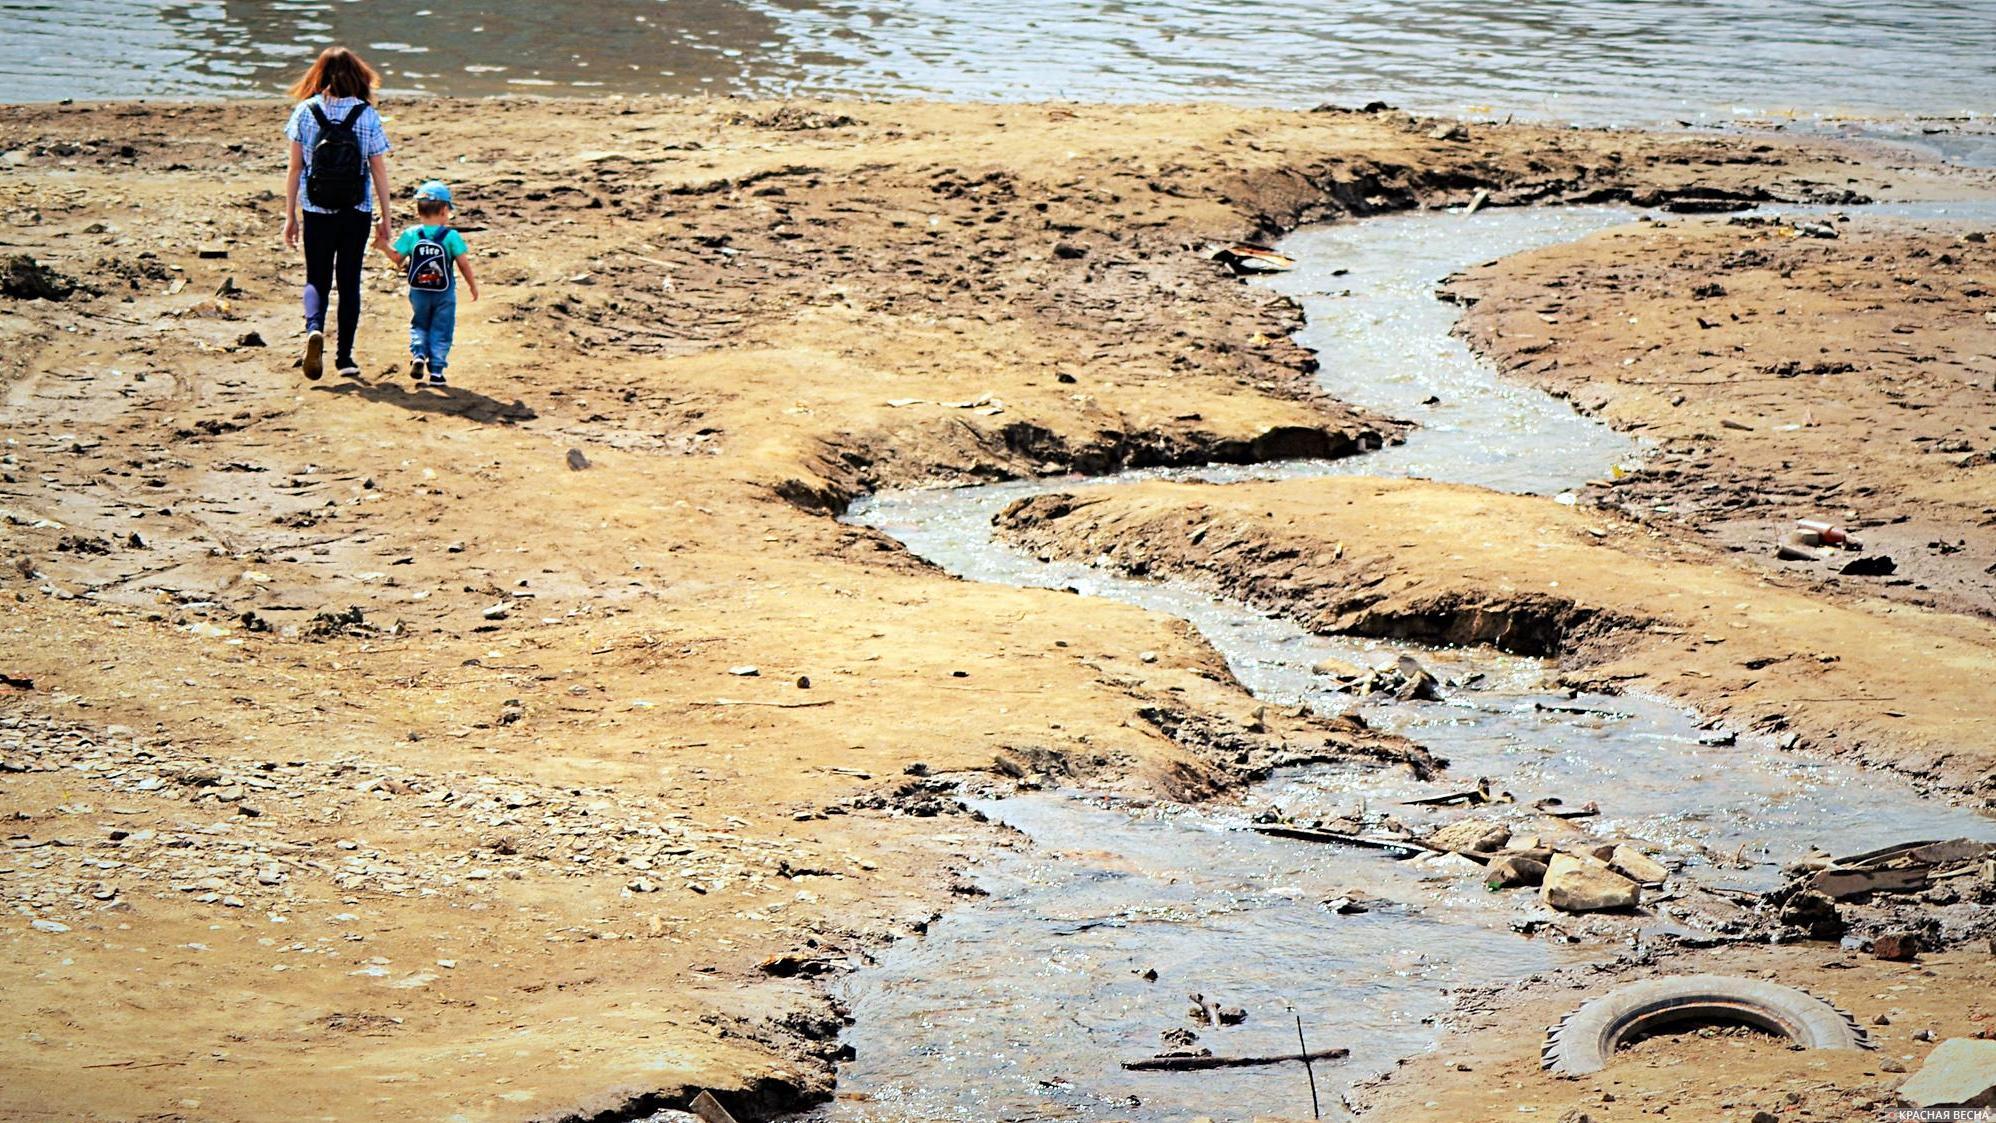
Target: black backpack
x,y
338,179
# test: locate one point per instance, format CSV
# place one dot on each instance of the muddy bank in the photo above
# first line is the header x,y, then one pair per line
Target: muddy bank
x,y
1817,367
403,769
1614,604
1491,1053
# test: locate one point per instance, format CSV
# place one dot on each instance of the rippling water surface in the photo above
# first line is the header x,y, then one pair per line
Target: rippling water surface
x,y
1633,61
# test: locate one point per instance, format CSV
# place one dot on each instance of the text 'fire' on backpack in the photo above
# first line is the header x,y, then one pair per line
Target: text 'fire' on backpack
x,y
338,179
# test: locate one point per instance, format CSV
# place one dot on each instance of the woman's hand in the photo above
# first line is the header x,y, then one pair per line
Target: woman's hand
x,y
381,234
291,231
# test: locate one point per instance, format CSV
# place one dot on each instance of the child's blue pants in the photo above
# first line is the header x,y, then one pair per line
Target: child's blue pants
x,y
432,322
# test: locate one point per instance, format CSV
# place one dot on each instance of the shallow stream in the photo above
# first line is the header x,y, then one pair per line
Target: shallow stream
x,y
1022,1006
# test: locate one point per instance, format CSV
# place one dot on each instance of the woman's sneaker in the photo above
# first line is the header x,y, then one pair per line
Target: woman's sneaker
x,y
416,370
315,355
349,369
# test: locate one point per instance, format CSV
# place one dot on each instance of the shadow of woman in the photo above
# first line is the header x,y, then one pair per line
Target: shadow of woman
x,y
453,400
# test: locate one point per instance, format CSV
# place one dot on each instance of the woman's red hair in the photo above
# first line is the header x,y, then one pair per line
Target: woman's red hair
x,y
338,72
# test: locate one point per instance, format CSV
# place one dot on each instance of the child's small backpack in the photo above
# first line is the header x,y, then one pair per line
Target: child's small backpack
x,y
429,261
338,179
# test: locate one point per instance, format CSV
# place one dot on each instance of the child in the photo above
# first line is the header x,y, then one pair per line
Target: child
x,y
426,253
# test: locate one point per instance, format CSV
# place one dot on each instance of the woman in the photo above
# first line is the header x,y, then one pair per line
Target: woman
x,y
339,167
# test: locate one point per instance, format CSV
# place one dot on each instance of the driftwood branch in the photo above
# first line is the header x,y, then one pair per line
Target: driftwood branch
x,y
1186,1064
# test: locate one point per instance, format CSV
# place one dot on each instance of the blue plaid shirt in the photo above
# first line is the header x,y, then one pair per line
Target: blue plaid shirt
x,y
304,128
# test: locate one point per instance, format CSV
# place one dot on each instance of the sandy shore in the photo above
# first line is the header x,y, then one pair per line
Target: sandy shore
x,y
366,760
1781,375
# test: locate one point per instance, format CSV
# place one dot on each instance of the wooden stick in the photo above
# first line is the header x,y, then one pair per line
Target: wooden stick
x,y
1186,1064
773,705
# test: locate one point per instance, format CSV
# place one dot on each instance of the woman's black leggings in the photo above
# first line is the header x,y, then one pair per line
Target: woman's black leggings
x,y
334,246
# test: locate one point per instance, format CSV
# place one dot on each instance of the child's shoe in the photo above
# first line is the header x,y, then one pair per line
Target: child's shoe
x,y
416,370
315,355
437,378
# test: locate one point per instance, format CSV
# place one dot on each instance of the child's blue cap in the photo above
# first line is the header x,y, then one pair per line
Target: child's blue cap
x,y
435,189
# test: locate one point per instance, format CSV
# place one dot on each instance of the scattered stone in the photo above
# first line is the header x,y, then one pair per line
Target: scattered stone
x,y
1898,947
1577,885
1338,669
24,278
1512,871
1452,130
745,671
576,461
48,926
497,612
1815,913
1637,866
1960,1072
1871,565
251,339
1480,836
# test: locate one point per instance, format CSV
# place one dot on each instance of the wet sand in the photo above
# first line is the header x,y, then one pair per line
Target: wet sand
x,y
1781,375
366,759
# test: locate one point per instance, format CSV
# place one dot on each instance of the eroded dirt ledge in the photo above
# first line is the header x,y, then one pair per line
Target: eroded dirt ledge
x,y
1615,603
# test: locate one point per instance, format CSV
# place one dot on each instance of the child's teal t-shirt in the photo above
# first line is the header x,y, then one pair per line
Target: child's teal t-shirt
x,y
453,244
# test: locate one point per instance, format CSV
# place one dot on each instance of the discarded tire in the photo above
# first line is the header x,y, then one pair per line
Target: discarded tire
x,y
1585,1040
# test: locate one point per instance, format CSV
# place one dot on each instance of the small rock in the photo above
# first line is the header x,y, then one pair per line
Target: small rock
x,y
48,926
1899,947
1871,565
745,671
497,612
1960,1072
1147,656
1512,871
1637,866
1480,835
576,461
803,682
1337,669
1453,130
1816,913
643,885
1577,885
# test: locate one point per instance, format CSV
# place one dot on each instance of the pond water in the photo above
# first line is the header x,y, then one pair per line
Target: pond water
x,y
1594,61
